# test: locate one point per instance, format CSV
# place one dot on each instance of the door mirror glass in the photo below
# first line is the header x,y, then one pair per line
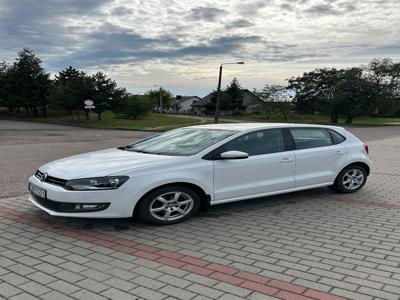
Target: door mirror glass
x,y
234,155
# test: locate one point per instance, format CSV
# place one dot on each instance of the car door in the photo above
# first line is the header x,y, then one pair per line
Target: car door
x,y
268,168
318,157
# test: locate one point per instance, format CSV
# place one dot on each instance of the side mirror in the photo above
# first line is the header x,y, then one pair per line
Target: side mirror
x,y
234,155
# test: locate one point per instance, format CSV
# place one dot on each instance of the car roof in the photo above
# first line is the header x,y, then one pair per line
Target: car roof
x,y
252,126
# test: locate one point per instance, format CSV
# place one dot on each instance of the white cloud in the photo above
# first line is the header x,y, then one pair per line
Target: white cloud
x,y
180,44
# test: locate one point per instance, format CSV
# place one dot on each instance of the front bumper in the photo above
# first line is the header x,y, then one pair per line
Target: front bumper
x,y
61,202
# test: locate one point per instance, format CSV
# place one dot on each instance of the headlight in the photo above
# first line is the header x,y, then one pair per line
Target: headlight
x,y
96,183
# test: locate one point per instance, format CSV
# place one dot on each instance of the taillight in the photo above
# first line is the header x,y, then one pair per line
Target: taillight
x,y
366,148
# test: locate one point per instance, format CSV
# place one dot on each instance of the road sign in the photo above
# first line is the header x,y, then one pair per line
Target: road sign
x,y
88,102
90,106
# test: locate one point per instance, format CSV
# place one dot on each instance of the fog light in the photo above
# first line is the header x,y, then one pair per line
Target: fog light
x,y
88,207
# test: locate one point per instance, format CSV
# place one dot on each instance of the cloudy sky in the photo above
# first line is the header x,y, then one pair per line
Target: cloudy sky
x,y
180,44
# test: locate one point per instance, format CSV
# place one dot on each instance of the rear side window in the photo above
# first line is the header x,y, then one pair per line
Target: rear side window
x,y
258,142
305,138
336,137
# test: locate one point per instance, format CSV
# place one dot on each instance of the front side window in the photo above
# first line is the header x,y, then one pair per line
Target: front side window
x,y
183,141
256,143
305,138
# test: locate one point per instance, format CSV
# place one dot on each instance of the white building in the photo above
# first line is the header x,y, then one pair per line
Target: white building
x,y
185,103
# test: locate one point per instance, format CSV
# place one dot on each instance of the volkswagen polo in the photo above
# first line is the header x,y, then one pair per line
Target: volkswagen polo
x,y
167,178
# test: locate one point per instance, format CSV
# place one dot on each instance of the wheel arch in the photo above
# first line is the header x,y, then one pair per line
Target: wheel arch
x,y
361,164
204,197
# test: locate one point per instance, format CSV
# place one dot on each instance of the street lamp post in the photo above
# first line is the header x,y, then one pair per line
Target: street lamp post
x,y
161,98
217,104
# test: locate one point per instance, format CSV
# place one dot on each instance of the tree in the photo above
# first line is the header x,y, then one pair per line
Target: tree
x,y
354,94
224,102
25,83
269,94
71,88
5,85
276,98
366,90
384,75
106,93
132,106
177,106
153,96
231,98
234,94
315,90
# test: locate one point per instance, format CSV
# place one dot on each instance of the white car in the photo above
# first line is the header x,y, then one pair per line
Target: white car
x,y
168,177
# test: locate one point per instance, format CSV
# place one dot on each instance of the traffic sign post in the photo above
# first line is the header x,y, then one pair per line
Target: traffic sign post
x,y
88,102
88,105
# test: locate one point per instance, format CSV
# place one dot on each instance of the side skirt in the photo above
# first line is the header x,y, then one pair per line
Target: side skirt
x,y
215,202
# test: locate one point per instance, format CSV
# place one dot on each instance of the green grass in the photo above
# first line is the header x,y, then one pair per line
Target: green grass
x,y
376,121
320,119
150,121
164,122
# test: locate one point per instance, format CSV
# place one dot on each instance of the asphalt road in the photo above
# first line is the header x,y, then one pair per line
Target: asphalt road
x,y
25,146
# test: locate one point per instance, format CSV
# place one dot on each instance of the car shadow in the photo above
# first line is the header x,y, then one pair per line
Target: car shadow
x,y
265,202
276,202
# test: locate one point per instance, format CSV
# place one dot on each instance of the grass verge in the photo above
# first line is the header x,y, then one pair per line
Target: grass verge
x,y
319,119
151,121
157,122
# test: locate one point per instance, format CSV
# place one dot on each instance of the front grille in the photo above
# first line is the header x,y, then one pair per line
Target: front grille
x,y
38,175
50,179
66,206
55,181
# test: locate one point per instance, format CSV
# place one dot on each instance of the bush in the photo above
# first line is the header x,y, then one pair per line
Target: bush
x,y
237,112
133,107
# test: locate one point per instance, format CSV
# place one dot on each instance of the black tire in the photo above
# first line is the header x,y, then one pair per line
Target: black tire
x,y
151,201
342,184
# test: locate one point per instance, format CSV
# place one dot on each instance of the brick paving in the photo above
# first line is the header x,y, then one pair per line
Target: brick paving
x,y
306,245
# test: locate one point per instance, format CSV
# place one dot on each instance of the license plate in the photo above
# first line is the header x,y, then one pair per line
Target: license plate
x,y
37,190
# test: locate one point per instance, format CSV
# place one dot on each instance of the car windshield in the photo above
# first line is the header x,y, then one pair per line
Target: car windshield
x,y
183,141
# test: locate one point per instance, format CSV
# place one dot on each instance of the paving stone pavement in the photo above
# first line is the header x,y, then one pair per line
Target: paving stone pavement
x,y
305,245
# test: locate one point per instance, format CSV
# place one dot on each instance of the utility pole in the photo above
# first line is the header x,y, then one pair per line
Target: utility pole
x,y
216,118
218,102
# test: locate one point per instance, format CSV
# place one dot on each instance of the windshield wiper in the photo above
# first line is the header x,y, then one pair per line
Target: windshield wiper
x,y
130,148
140,151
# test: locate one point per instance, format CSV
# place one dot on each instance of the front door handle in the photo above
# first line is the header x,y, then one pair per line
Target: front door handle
x,y
339,152
286,160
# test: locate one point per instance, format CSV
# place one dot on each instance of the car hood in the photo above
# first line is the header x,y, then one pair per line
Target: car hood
x,y
100,163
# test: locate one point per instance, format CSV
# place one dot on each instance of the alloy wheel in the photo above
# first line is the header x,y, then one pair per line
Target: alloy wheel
x,y
171,206
353,179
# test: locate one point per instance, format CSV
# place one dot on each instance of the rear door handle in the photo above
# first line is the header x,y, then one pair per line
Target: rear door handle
x,y
339,152
286,160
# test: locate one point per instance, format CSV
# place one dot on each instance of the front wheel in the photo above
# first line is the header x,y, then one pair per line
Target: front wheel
x,y
169,205
350,179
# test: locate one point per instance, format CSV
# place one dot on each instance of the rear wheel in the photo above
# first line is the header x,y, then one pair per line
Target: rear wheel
x,y
350,179
169,205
